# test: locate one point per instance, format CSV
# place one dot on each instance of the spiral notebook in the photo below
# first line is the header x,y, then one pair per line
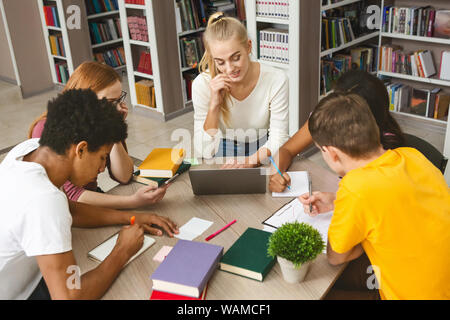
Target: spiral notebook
x,y
103,250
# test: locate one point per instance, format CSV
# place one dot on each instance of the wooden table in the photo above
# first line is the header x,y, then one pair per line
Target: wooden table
x,y
180,204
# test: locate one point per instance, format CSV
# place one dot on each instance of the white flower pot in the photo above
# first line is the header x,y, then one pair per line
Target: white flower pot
x,y
291,274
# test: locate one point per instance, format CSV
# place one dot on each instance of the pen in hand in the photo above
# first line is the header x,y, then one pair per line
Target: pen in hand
x,y
275,166
310,192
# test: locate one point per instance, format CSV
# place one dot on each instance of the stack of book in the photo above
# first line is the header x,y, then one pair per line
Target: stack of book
x,y
112,57
141,2
145,63
191,51
419,63
190,15
145,93
51,16
187,268
423,102
99,6
56,45
138,28
62,72
105,30
272,9
416,21
274,45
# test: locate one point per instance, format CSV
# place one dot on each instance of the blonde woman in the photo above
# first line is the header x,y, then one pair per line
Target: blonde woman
x,y
240,106
105,82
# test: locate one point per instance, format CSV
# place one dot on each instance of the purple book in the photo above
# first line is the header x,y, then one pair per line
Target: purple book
x,y
187,268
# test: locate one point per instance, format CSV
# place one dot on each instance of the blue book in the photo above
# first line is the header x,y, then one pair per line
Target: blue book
x,y
97,6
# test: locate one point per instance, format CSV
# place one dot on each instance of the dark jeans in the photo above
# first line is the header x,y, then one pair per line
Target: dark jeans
x,y
352,284
41,292
230,148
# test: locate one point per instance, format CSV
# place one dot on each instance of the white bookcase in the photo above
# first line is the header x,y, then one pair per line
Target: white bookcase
x,y
411,43
160,19
292,25
63,31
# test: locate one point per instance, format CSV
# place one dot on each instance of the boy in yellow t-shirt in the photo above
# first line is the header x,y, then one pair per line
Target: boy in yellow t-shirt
x,y
393,205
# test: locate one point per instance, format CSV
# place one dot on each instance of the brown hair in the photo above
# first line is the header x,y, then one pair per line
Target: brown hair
x,y
344,120
220,28
89,75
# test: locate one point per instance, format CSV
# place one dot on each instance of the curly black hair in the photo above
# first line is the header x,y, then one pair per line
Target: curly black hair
x,y
78,115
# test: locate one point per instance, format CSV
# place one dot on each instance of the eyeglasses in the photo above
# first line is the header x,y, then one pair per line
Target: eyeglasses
x,y
119,100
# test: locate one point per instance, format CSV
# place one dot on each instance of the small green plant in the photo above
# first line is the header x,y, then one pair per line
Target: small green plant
x,y
296,242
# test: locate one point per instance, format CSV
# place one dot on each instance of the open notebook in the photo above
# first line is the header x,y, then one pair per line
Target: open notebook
x,y
100,252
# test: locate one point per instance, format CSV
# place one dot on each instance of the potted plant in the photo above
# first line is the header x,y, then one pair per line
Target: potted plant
x,y
295,245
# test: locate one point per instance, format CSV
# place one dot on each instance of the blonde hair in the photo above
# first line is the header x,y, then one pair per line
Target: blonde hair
x,y
220,28
90,74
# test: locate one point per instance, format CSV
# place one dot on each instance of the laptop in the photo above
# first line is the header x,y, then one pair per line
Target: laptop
x,y
213,180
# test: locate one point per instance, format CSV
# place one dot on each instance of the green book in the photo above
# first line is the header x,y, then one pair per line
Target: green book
x,y
248,256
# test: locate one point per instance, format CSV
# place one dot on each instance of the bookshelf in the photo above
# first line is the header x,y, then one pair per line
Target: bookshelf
x,y
103,16
66,47
162,48
258,20
410,43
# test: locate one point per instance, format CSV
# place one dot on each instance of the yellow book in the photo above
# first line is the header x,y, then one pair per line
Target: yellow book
x,y
161,163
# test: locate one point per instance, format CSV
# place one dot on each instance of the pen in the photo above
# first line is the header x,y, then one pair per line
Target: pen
x,y
310,192
219,231
273,163
132,220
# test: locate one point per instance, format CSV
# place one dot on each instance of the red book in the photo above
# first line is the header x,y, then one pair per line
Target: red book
x,y
159,295
141,62
148,64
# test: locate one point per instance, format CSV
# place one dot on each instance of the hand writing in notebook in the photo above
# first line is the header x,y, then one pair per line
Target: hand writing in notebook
x,y
130,240
322,202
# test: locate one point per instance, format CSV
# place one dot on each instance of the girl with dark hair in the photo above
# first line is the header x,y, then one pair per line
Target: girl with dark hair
x,y
374,92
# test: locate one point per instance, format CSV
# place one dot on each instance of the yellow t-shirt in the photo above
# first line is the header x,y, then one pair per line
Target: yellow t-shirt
x,y
398,208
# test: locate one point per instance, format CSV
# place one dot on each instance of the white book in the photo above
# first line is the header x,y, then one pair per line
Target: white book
x,y
427,63
178,19
444,73
103,250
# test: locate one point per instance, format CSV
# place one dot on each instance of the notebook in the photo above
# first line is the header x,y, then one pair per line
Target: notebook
x,y
299,185
248,255
187,268
161,163
159,295
100,252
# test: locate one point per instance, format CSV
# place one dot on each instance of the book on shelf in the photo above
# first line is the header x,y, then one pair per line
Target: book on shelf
x,y
145,63
141,2
419,63
56,45
157,182
145,93
272,9
274,45
188,77
51,16
190,15
100,6
62,72
423,21
105,30
191,51
137,26
161,163
187,268
113,57
444,70
248,255
228,7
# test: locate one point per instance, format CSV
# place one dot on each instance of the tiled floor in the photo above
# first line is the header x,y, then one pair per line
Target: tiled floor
x,y
144,133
